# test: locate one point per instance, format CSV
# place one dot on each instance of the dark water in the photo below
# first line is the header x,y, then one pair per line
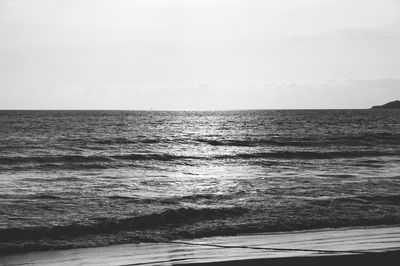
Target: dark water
x,y
76,178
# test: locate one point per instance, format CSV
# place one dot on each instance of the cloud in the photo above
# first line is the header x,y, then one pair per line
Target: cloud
x,y
346,93
189,54
308,94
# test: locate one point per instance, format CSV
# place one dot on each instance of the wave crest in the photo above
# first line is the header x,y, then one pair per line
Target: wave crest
x,y
167,218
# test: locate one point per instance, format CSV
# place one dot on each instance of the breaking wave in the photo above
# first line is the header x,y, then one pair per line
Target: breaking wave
x,y
107,225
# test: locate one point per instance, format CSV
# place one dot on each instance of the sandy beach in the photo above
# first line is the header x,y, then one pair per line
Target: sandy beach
x,y
362,246
384,258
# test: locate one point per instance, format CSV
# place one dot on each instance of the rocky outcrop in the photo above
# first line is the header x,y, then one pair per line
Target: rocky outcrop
x,y
391,105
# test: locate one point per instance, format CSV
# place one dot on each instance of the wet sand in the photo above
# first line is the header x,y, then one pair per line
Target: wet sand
x,y
363,246
383,258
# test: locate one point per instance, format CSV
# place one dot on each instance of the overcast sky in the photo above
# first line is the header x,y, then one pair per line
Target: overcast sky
x,y
198,54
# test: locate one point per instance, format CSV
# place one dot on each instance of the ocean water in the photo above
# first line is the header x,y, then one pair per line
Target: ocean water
x,y
91,178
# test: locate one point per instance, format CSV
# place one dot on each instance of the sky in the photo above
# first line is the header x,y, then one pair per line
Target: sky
x,y
198,54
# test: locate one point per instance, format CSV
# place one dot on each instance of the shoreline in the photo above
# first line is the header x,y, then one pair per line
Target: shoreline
x,y
11,251
387,258
279,248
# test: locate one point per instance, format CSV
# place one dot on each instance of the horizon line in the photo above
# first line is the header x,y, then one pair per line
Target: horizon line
x,y
192,110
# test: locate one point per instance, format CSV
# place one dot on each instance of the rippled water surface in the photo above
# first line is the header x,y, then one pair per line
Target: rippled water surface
x,y
87,178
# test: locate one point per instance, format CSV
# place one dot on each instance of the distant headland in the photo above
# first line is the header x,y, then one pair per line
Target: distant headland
x,y
391,105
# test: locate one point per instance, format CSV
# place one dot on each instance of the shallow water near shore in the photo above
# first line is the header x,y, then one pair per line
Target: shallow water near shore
x,y
351,246
93,178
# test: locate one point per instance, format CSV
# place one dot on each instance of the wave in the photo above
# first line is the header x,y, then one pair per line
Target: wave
x,y
106,225
363,199
392,199
307,155
183,223
344,176
78,162
256,142
348,140
215,142
33,196
112,141
173,200
54,159
90,161
379,137
153,156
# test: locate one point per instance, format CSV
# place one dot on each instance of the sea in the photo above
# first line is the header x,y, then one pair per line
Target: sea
x,y
72,179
